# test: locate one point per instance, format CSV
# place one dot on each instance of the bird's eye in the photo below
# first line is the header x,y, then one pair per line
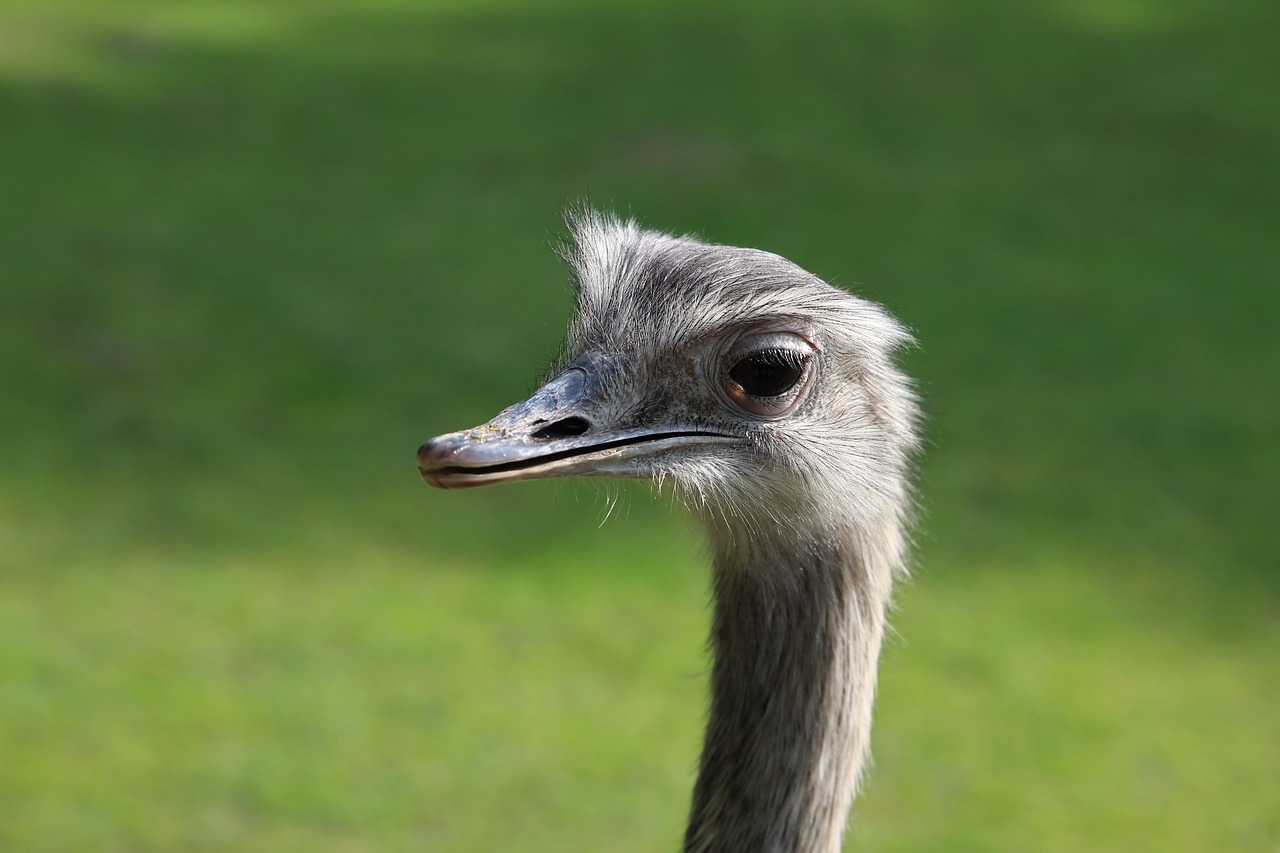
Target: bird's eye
x,y
764,382
769,373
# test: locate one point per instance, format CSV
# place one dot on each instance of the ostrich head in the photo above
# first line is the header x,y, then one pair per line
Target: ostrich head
x,y
770,401
768,398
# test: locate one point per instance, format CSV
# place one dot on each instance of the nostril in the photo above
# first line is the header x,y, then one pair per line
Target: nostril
x,y
564,428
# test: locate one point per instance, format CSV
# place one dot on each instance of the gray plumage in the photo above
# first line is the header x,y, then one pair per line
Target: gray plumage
x,y
771,402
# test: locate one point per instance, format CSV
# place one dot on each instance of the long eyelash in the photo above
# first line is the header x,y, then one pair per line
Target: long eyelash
x,y
787,357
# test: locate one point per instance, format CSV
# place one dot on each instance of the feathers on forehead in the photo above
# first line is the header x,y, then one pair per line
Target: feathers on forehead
x,y
631,282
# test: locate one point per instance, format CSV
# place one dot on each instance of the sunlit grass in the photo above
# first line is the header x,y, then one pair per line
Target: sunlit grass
x,y
1076,704
387,700
361,700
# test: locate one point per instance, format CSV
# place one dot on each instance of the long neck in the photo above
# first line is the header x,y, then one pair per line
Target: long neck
x,y
796,636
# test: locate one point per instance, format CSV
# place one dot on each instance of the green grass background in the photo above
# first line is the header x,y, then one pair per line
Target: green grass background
x,y
253,253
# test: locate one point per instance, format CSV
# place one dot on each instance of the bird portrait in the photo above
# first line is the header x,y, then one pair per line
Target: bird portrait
x,y
771,404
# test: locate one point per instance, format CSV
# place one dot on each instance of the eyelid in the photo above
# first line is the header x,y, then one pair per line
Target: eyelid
x,y
788,342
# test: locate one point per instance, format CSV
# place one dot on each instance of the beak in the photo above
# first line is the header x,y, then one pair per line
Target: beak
x,y
557,432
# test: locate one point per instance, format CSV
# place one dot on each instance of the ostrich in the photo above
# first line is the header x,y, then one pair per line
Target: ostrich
x,y
771,403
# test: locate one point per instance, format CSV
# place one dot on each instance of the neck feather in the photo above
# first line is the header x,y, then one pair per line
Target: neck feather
x,y
796,636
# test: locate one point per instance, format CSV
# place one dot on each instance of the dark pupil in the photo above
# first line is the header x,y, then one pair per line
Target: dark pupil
x,y
767,374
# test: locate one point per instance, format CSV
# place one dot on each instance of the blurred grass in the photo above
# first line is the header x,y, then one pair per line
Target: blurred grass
x,y
252,254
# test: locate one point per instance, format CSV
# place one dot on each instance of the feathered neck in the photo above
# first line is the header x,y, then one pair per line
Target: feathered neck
x,y
796,635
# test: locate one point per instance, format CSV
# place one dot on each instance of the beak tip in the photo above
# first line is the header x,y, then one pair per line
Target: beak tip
x,y
431,457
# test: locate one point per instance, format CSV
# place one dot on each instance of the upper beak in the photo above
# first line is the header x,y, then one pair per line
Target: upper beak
x,y
557,432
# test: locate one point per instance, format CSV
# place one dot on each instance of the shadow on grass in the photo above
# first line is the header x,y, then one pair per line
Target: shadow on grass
x,y
250,267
